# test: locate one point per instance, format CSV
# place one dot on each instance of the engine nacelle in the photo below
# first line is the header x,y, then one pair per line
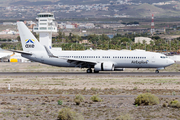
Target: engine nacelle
x,y
105,66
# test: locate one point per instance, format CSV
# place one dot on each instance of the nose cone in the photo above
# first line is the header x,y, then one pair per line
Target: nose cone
x,y
170,61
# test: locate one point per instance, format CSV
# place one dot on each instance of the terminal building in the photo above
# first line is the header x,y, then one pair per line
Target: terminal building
x,y
142,39
45,27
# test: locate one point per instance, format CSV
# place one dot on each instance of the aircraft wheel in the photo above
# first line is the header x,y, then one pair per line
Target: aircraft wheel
x,y
157,71
89,70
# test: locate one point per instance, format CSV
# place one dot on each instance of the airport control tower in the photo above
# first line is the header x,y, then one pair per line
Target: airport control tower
x,y
45,27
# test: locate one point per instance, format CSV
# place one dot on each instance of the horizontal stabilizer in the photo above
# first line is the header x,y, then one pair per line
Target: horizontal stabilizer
x,y
22,52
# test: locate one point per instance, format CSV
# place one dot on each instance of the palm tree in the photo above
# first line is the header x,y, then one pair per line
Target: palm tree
x,y
144,44
151,44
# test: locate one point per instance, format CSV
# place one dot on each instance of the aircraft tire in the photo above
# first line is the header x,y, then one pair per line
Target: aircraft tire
x,y
89,70
157,71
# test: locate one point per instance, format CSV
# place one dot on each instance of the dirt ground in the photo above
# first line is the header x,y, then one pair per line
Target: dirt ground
x,y
36,97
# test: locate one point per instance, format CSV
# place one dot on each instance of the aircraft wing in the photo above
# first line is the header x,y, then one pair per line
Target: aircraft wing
x,y
78,62
22,52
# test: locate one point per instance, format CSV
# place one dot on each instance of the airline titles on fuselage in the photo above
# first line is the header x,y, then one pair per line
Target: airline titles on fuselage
x,y
139,62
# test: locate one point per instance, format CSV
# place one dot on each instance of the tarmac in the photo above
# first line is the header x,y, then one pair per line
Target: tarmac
x,y
120,74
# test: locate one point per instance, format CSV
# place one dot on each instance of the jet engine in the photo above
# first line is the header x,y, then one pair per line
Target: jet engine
x,y
105,66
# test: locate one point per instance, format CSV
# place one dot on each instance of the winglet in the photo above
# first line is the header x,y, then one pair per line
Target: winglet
x,y
49,52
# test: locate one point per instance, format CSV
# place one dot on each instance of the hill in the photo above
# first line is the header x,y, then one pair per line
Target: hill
x,y
70,2
146,9
28,9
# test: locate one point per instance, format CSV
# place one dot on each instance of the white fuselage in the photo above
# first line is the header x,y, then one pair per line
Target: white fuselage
x,y
120,59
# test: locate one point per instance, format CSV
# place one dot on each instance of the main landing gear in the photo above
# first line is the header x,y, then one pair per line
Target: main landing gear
x,y
157,71
90,71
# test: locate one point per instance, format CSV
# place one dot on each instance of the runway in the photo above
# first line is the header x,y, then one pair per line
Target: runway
x,y
125,74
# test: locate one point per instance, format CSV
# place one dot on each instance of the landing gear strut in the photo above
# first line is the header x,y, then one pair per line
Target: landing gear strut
x,y
96,71
89,70
157,71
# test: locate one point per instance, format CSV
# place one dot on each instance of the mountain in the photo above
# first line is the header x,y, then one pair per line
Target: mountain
x,y
149,1
70,2
28,9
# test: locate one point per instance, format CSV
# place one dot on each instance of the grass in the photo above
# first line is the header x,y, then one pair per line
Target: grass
x,y
174,104
146,99
78,99
96,98
124,117
109,108
60,102
68,114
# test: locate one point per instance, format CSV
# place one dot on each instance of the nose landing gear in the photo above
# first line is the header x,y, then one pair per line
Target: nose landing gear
x,y
160,68
157,71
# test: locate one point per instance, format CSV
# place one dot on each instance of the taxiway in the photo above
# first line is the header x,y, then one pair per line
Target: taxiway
x,y
125,74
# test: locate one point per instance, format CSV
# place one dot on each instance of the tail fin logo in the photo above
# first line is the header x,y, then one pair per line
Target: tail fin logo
x,y
29,43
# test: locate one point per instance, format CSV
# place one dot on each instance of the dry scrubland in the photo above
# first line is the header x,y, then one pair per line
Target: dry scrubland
x,y
36,97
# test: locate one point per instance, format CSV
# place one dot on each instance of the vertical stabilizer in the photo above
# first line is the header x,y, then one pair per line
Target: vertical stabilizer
x,y
28,40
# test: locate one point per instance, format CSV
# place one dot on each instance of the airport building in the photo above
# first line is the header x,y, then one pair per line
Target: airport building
x,y
142,39
45,27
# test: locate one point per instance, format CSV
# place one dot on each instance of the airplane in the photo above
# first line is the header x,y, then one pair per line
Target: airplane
x,y
5,55
99,60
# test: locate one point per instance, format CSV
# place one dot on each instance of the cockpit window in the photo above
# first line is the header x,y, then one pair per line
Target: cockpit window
x,y
163,57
